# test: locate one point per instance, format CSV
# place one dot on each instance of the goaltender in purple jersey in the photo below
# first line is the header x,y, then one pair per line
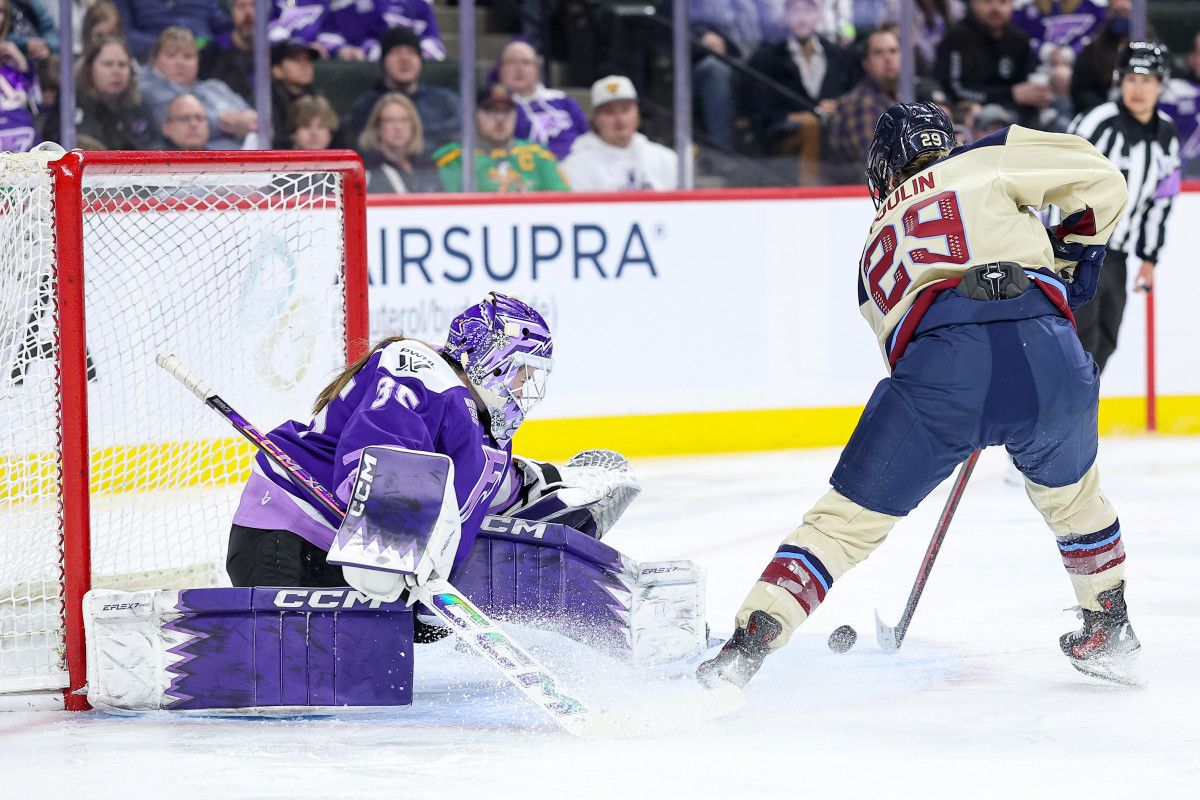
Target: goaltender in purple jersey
x,y
464,401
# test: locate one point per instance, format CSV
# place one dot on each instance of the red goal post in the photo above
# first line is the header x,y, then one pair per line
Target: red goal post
x,y
249,265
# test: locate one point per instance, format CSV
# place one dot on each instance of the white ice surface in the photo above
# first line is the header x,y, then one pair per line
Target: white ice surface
x,y
978,703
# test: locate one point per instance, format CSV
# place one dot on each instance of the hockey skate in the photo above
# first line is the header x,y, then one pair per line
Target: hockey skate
x,y
743,654
1106,646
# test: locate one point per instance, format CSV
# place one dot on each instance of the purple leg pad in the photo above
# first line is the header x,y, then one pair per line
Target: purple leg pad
x,y
261,647
552,576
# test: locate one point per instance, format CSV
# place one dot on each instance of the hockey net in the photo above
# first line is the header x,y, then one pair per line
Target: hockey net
x,y
237,263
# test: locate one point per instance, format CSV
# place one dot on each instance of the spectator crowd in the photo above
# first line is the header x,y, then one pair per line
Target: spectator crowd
x,y
797,82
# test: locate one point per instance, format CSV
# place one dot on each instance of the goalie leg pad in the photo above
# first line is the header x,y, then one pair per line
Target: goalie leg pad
x,y
264,650
553,576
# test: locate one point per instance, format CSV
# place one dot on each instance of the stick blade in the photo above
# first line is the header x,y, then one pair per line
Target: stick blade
x,y
886,636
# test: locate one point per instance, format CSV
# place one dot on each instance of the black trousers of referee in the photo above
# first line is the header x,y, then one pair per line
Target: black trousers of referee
x,y
1100,320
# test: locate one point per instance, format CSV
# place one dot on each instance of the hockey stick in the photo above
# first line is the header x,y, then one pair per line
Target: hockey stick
x,y
473,626
890,639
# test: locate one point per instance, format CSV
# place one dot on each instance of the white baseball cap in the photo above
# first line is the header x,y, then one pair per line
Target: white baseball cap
x,y
613,87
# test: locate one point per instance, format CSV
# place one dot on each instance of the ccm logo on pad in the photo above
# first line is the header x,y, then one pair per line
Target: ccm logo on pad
x,y
323,598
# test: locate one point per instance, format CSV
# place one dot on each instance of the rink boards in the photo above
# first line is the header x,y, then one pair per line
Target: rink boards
x,y
708,321
684,323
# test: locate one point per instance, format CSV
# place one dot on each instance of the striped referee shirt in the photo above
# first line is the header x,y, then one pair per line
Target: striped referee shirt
x,y
1148,157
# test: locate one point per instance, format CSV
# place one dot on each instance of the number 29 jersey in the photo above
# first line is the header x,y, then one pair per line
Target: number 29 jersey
x,y
977,206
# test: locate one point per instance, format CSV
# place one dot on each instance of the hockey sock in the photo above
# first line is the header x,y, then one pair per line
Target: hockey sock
x,y
1095,562
837,534
1088,533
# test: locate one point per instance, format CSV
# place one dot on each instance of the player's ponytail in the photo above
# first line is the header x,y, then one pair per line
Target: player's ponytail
x,y
336,386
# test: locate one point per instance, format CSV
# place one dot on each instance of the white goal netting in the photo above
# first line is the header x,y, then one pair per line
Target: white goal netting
x,y
237,273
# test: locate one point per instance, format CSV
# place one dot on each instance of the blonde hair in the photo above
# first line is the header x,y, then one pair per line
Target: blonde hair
x,y
172,38
335,387
919,163
369,140
309,107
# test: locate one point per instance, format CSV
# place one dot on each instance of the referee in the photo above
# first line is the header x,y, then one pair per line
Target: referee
x,y
1142,142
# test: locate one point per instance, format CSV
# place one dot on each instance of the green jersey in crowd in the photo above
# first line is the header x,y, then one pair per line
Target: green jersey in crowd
x,y
522,167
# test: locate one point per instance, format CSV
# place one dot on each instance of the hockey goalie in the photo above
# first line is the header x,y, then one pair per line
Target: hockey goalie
x,y
415,442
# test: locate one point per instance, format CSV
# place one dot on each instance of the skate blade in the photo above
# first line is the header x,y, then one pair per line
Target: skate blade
x,y
1114,670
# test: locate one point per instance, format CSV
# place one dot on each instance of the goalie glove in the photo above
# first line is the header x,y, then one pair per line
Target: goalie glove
x,y
402,526
589,493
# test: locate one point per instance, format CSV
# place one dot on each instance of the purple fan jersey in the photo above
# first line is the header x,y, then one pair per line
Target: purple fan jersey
x,y
306,20
363,23
550,118
406,395
17,132
1181,101
1070,23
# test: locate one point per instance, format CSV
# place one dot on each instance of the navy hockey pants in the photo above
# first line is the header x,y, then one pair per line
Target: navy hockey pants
x,y
1026,384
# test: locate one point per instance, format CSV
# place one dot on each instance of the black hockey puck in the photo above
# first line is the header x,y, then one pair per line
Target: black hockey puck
x,y
842,639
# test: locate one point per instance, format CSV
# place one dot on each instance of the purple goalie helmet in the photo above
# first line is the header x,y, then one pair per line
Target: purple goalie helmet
x,y
504,347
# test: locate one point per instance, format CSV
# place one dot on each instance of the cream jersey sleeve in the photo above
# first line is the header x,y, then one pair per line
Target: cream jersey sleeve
x,y
977,206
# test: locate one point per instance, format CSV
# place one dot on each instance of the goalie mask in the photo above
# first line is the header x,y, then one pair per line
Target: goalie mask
x,y
504,347
903,132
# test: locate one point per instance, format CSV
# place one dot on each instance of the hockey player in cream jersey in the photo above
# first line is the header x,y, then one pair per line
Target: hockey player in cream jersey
x,y
971,300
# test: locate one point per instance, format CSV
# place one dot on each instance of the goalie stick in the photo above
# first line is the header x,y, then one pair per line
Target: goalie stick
x,y
891,638
471,624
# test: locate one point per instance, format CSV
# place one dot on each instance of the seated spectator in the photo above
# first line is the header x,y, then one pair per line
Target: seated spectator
x,y
109,108
101,20
991,118
1061,23
544,116
229,56
49,78
837,21
1181,101
502,163
963,115
78,8
401,67
17,79
291,79
31,28
811,73
186,124
733,29
311,124
392,149
362,26
1092,80
145,21
1060,63
851,126
614,156
174,66
932,18
306,20
986,59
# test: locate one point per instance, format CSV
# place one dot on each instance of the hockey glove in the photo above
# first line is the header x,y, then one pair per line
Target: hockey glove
x,y
1085,275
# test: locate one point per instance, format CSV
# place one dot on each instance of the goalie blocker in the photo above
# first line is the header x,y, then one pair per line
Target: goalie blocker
x,y
304,650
